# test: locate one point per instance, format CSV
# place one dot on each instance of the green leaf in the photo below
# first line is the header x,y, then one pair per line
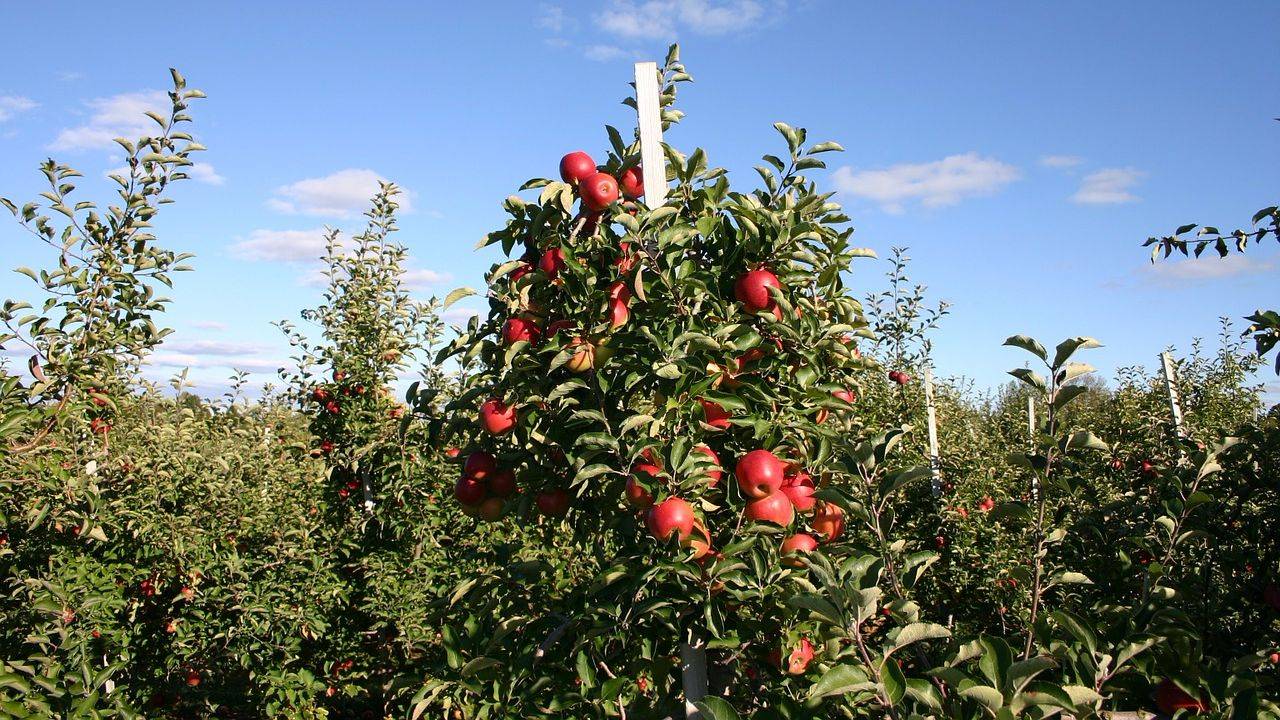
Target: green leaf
x,y
917,632
456,295
988,696
1029,344
1068,347
895,683
714,708
839,680
1031,378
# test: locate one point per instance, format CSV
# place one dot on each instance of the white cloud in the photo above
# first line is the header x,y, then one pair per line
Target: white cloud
x,y
342,194
554,18
422,277
214,347
209,325
1061,161
13,105
1207,268
604,53
204,172
1108,186
458,315
192,360
934,184
116,116
282,245
664,19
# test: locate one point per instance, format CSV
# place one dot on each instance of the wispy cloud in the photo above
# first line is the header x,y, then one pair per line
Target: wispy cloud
x,y
1207,268
666,19
282,245
1061,161
112,117
221,348
604,53
1108,187
342,194
171,359
209,325
13,105
69,75
934,184
554,18
458,315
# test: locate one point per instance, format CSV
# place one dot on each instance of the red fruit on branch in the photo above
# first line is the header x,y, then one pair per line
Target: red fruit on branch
x,y
491,509
845,395
452,452
636,494
899,377
521,270
632,182
714,414
698,541
517,329
1117,464
502,483
619,314
497,417
553,503
752,290
799,659
470,491
986,504
672,516
599,191
1170,698
1148,468
1274,658
760,473
552,262
479,465
576,167
320,395
799,489
828,521
714,475
775,508
795,545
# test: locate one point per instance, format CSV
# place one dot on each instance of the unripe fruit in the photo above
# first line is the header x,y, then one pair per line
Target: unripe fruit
x,y
553,503
799,489
497,417
599,191
775,508
632,182
479,465
752,290
760,473
715,415
552,262
491,509
517,329
576,167
469,491
672,516
584,358
715,474
798,544
828,521
503,483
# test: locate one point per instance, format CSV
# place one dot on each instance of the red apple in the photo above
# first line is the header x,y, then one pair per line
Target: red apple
x,y
1148,468
1170,698
699,541
523,269
828,521
632,182
845,395
1274,658
775,508
599,191
497,417
502,483
516,329
479,465
469,491
986,504
553,503
798,544
552,262
637,495
752,290
760,473
491,509
672,516
1117,464
193,678
619,314
715,415
559,325
714,475
452,452
799,489
576,167
799,659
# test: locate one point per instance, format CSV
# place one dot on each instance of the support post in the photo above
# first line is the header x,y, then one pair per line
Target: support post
x,y
1171,387
1031,443
935,461
693,653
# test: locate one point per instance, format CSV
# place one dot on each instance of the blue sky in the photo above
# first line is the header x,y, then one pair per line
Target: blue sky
x,y
1022,151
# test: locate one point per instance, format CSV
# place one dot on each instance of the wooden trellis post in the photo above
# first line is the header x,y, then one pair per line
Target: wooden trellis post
x,y
1031,443
693,653
935,460
1171,386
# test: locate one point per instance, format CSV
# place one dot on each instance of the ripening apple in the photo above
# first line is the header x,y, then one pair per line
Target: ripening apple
x,y
828,521
714,475
986,504
479,465
497,417
636,494
799,489
619,314
502,483
715,415
775,508
576,167
672,516
799,659
752,290
193,678
491,509
552,262
517,329
699,541
470,491
598,191
1170,698
583,358
760,473
553,503
796,545
632,182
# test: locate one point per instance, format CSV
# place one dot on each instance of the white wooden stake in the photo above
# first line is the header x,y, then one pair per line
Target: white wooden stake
x,y
1031,442
935,462
693,654
1171,386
